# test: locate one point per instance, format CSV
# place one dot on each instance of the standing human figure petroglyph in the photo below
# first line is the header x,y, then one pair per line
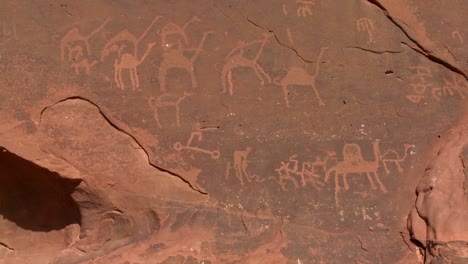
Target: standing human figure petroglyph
x,y
299,76
164,101
130,62
353,162
366,25
74,35
174,29
391,156
175,58
236,59
241,164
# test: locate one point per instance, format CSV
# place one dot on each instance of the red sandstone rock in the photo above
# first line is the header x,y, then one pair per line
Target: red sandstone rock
x,y
233,132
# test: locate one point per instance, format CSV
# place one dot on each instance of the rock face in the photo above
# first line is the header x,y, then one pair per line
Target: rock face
x,y
261,131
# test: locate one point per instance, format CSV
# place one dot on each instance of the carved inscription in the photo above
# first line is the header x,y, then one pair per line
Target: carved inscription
x,y
421,85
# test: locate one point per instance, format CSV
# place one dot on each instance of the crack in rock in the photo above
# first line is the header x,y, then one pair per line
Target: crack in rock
x,y
278,41
373,51
112,124
6,246
423,50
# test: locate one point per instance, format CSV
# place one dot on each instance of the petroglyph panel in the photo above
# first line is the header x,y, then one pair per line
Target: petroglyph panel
x,y
291,131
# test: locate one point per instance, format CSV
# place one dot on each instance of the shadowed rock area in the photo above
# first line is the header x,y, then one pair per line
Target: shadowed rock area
x,y
34,198
295,131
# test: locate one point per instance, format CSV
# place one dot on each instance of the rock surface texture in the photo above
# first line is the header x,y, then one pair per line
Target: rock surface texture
x,y
293,131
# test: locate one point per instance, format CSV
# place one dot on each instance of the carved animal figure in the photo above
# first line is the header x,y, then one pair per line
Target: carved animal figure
x,y
74,35
173,29
365,24
175,58
304,9
130,62
392,156
167,100
238,60
353,162
124,38
299,76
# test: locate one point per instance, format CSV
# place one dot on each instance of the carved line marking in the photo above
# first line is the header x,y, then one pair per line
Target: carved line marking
x,y
457,35
288,31
198,135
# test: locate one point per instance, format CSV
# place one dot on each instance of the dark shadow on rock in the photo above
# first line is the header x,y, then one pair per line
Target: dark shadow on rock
x,y
35,198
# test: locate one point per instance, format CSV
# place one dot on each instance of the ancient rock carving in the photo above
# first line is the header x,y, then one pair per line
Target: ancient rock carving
x,y
288,32
130,62
419,83
167,100
322,162
9,31
71,46
307,172
198,134
127,59
391,156
299,76
304,7
236,59
285,172
176,58
366,25
457,35
457,83
83,64
353,162
241,164
285,10
173,29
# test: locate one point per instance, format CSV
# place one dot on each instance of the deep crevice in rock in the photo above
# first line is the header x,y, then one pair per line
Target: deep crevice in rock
x,y
112,124
35,198
422,50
